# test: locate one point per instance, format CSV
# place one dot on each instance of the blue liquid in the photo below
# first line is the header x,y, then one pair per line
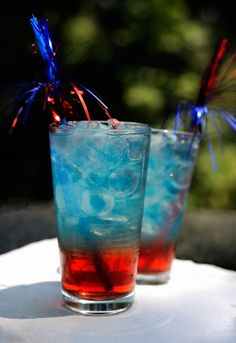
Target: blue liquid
x,y
99,176
171,163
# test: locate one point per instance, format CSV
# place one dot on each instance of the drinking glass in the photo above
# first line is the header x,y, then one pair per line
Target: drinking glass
x,y
171,164
99,174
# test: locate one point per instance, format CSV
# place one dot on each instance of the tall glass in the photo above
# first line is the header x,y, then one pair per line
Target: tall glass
x,y
171,163
99,176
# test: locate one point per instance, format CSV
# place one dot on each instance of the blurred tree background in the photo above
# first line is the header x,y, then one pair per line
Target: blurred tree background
x,y
141,56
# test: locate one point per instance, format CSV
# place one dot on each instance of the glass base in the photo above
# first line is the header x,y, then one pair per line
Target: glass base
x,y
97,307
153,279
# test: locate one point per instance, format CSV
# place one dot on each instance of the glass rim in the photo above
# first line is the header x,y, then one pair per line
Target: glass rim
x,y
176,132
132,128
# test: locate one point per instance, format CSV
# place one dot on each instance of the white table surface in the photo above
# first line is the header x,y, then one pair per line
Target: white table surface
x,y
197,305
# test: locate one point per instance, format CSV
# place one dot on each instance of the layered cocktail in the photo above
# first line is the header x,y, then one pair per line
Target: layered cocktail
x,y
171,163
99,175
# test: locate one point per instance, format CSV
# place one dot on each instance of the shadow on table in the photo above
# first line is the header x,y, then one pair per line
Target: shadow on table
x,y
39,300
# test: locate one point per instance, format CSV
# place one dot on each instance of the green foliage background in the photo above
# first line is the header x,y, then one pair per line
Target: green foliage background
x,y
143,57
152,56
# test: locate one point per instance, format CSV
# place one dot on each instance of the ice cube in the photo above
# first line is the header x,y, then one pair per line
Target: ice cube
x,y
124,181
96,203
64,130
67,202
114,149
137,147
149,229
83,124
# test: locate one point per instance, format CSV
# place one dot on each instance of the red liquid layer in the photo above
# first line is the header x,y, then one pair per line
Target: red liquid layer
x,y
99,275
155,257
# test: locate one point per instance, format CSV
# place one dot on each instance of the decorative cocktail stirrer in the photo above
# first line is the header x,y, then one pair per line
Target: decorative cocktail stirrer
x,y
63,99
216,99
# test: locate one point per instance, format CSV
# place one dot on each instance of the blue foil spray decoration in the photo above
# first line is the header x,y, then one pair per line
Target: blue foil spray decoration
x,y
216,98
62,98
45,45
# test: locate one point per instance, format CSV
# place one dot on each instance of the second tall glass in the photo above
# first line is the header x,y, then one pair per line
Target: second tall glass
x,y
171,163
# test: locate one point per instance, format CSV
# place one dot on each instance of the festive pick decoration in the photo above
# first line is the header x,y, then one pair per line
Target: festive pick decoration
x,y
46,48
216,98
61,98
